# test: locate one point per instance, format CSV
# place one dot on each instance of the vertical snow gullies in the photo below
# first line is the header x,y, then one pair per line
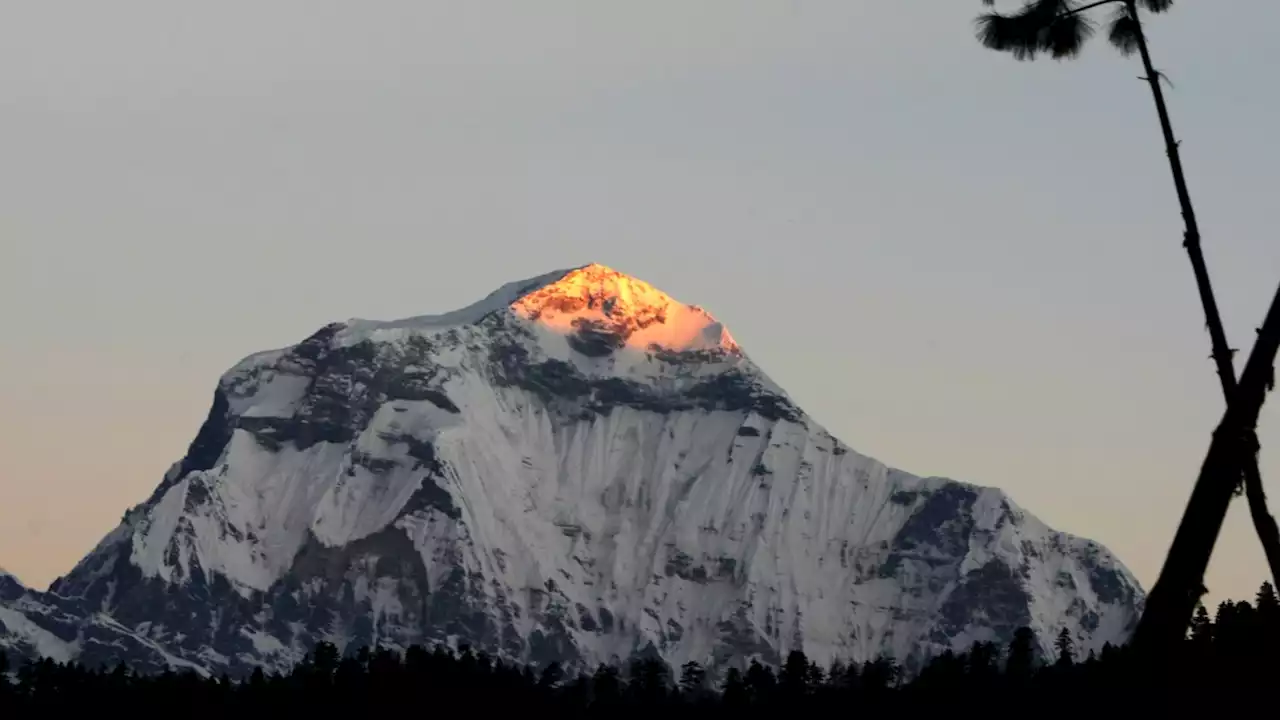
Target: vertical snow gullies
x,y
577,468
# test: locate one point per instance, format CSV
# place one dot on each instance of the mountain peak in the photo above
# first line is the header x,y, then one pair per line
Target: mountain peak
x,y
595,299
596,283
595,303
575,468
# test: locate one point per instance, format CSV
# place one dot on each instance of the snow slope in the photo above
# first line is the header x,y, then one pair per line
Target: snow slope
x,y
576,468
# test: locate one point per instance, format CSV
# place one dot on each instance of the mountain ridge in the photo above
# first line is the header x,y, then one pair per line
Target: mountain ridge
x,y
575,468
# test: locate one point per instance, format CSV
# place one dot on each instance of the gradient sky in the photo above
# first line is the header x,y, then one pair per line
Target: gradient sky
x,y
960,264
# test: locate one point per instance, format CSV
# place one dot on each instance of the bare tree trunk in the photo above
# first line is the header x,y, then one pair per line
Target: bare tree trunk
x,y
1264,524
1173,599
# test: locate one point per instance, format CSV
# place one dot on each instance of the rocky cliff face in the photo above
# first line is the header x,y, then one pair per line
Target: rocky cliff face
x,y
577,468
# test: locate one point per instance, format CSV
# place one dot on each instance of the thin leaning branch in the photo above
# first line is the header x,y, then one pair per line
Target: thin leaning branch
x,y
1090,6
1059,29
1081,9
1263,522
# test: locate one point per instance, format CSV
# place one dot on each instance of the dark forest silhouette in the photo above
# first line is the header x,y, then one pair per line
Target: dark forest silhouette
x,y
1237,651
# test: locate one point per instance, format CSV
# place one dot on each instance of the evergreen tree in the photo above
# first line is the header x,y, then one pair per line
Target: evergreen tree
x,y
835,674
880,675
1022,655
693,678
551,676
363,656
527,677
1066,648
325,659
983,665
648,680
5,691
1268,621
417,661
606,686
760,682
815,678
850,680
349,677
1201,630
943,672
1266,602
734,692
576,695
794,677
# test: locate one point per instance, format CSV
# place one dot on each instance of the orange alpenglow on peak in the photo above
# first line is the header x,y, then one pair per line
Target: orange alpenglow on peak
x,y
598,298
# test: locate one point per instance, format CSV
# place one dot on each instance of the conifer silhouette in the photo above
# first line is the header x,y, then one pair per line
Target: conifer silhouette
x,y
1060,29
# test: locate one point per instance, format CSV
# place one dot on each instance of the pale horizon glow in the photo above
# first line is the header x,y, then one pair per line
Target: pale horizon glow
x,y
960,265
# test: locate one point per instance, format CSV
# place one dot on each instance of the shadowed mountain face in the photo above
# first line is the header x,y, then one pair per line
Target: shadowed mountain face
x,y
576,468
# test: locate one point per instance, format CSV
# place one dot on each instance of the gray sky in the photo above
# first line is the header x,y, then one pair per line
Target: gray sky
x,y
961,265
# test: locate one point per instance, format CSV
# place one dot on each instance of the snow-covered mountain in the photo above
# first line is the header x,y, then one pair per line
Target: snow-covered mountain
x,y
576,468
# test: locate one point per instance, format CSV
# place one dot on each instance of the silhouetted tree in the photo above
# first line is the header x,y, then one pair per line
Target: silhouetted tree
x,y
606,687
760,682
5,689
1229,653
944,673
1022,655
551,676
1265,602
846,678
1201,630
1060,29
983,665
693,678
576,695
880,675
734,692
1066,648
793,679
325,658
649,681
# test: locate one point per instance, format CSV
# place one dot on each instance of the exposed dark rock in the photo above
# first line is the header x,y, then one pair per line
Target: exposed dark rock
x,y
212,438
942,524
585,620
612,392
904,497
552,380
375,465
733,390
689,357
1109,586
595,339
991,594
681,565
430,496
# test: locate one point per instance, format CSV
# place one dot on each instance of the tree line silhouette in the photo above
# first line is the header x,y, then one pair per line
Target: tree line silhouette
x,y
1234,653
